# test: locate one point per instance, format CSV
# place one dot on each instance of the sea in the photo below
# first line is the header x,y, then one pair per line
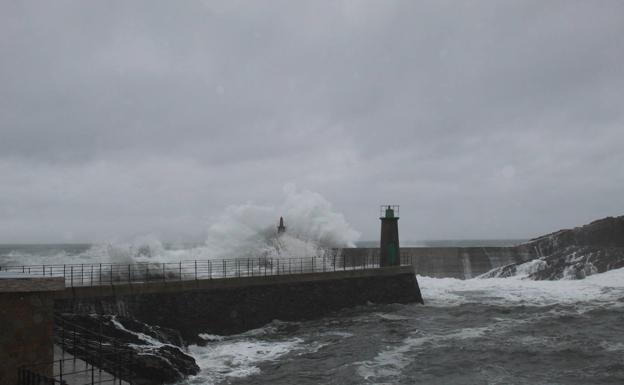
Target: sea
x,y
477,331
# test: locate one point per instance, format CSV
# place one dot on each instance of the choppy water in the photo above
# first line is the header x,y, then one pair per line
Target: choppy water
x,y
491,331
478,331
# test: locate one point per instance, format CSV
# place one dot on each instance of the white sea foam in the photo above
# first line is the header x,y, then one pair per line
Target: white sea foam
x,y
599,288
391,361
246,230
249,229
236,358
153,342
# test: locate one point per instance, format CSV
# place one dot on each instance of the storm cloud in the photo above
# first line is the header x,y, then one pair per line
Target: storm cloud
x,y
482,119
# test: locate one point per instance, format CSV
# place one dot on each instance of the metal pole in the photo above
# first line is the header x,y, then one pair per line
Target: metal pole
x,y
72,276
196,270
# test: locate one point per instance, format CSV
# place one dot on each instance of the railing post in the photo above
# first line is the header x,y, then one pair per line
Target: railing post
x,y
62,360
129,273
180,270
147,272
72,276
164,275
100,280
196,270
111,274
82,274
224,271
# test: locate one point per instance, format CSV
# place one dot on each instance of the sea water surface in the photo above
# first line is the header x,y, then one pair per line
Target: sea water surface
x,y
478,331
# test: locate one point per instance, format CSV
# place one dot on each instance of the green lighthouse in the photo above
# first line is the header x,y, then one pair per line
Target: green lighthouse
x,y
389,244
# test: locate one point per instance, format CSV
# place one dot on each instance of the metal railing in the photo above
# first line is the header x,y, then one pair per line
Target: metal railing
x,y
87,358
78,275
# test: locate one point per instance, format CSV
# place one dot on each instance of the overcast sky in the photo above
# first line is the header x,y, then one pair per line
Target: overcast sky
x,y
482,119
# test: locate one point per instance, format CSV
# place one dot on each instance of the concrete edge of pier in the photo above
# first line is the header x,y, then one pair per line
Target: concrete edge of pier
x,y
158,287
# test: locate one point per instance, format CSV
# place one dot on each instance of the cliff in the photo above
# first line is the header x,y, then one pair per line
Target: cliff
x,y
572,253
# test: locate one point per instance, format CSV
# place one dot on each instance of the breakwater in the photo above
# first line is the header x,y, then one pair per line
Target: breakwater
x,y
226,306
453,262
156,309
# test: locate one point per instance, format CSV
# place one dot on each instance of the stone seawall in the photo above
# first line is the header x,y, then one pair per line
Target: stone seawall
x,y
226,306
26,320
453,262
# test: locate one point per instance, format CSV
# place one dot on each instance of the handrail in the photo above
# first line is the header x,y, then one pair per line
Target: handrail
x,y
100,274
99,362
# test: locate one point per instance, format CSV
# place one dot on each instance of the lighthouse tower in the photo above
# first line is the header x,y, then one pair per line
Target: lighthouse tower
x,y
389,244
281,228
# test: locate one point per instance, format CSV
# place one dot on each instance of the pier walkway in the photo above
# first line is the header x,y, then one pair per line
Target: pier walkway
x,y
110,274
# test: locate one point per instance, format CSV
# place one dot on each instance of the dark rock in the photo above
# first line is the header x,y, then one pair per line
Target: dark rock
x,y
573,253
165,364
153,354
606,232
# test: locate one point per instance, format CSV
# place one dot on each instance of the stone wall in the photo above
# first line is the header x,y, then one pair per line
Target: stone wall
x,y
453,262
26,324
239,304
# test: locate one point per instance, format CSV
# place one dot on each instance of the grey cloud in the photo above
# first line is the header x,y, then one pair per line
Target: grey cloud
x,y
482,118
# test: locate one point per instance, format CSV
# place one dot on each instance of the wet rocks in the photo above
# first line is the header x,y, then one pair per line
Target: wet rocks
x,y
150,354
573,253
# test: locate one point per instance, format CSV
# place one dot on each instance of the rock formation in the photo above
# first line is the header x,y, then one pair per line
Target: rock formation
x,y
572,253
153,354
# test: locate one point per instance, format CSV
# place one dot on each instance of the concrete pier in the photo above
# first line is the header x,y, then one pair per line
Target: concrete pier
x,y
451,262
26,320
232,305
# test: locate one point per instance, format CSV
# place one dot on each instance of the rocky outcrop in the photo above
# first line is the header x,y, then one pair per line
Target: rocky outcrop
x,y
572,253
